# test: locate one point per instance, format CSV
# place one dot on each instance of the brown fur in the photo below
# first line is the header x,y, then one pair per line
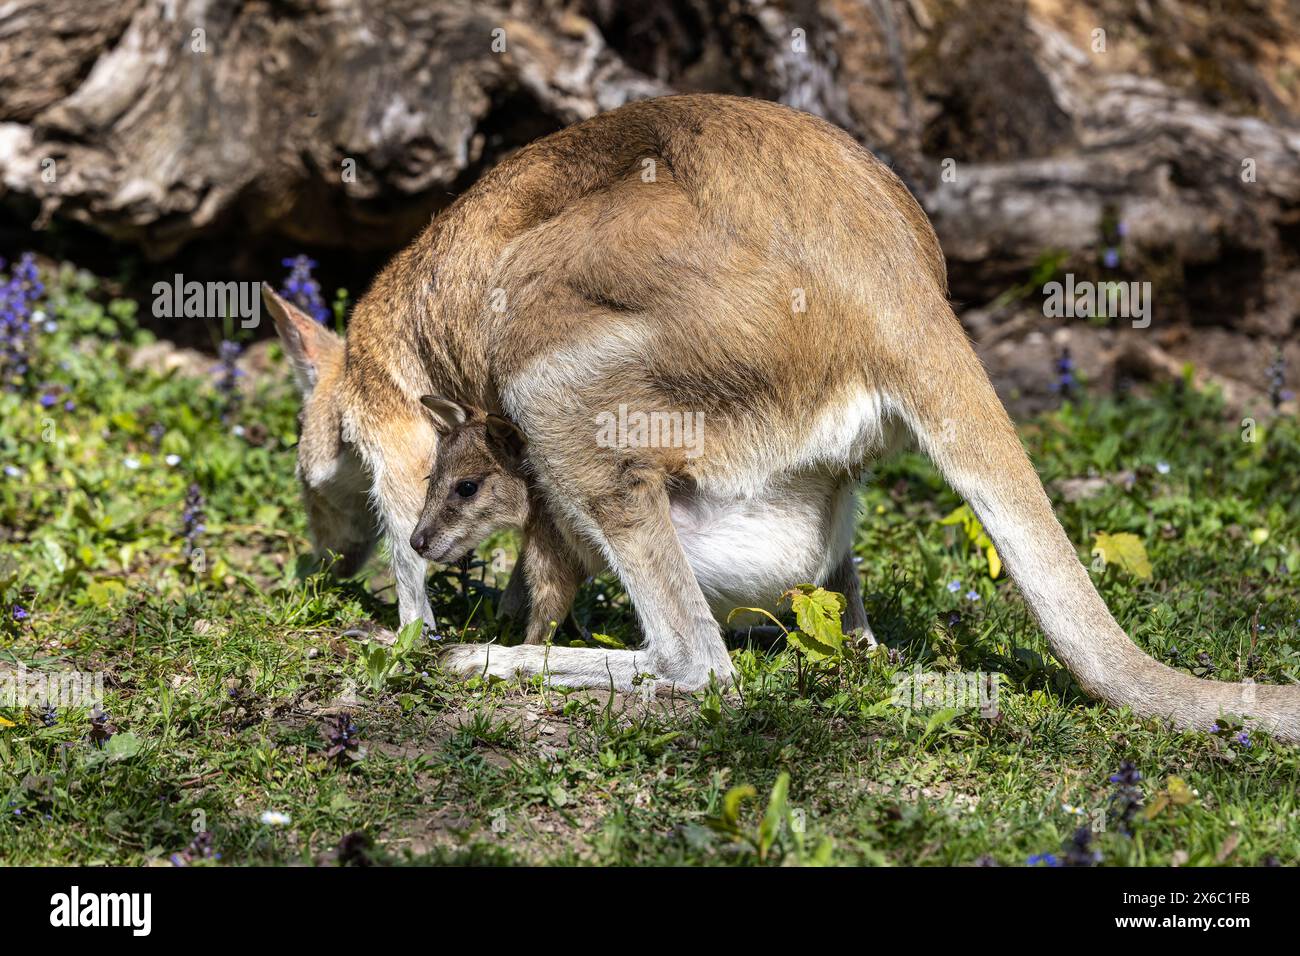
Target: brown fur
x,y
480,484
564,284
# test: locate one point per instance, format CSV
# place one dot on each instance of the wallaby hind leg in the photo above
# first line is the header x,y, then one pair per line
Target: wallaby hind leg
x,y
630,521
844,579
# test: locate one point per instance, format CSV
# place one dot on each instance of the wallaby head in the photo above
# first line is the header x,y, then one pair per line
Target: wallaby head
x,y
334,483
478,484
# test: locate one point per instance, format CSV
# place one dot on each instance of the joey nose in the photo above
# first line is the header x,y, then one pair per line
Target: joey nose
x,y
419,540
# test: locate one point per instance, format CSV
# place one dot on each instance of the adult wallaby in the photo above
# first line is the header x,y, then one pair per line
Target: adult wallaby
x,y
692,254
740,557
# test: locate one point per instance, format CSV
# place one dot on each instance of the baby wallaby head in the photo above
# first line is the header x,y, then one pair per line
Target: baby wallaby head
x,y
478,484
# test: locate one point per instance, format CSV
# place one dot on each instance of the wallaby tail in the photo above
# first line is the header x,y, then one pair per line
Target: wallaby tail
x,y
962,426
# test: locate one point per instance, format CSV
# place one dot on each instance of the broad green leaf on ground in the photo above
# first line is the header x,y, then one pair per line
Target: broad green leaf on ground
x,y
976,535
817,611
1125,550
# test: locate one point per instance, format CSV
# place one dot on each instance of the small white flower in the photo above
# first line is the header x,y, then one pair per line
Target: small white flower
x,y
972,595
954,586
1072,809
132,463
38,315
173,460
237,431
1162,467
51,327
275,818
13,471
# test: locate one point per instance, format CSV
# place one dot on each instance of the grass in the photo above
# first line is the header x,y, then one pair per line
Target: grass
x,y
226,670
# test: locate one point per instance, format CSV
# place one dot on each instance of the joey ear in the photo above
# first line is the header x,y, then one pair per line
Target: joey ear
x,y
448,415
307,343
505,437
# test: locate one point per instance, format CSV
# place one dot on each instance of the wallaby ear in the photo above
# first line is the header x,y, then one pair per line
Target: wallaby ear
x,y
506,439
307,343
448,415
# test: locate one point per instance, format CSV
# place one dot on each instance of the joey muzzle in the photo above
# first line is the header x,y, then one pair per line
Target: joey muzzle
x,y
422,539
431,546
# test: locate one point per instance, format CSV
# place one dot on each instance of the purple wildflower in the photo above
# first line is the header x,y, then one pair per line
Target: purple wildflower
x,y
302,290
192,518
1079,850
229,374
1065,382
17,295
1127,798
201,848
344,740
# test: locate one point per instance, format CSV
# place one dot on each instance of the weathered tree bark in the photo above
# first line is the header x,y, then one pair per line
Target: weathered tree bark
x,y
334,123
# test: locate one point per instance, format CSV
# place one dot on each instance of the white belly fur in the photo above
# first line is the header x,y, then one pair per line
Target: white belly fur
x,y
746,551
752,532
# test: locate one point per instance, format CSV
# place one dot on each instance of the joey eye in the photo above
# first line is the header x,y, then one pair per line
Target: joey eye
x,y
467,489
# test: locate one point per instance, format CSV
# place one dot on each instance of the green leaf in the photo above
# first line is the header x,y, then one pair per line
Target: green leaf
x,y
1125,551
756,610
976,535
1106,450
770,828
268,515
125,421
658,743
810,647
56,554
995,562
105,591
608,641
818,613
123,745
961,515
732,801
407,636
938,720
711,707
